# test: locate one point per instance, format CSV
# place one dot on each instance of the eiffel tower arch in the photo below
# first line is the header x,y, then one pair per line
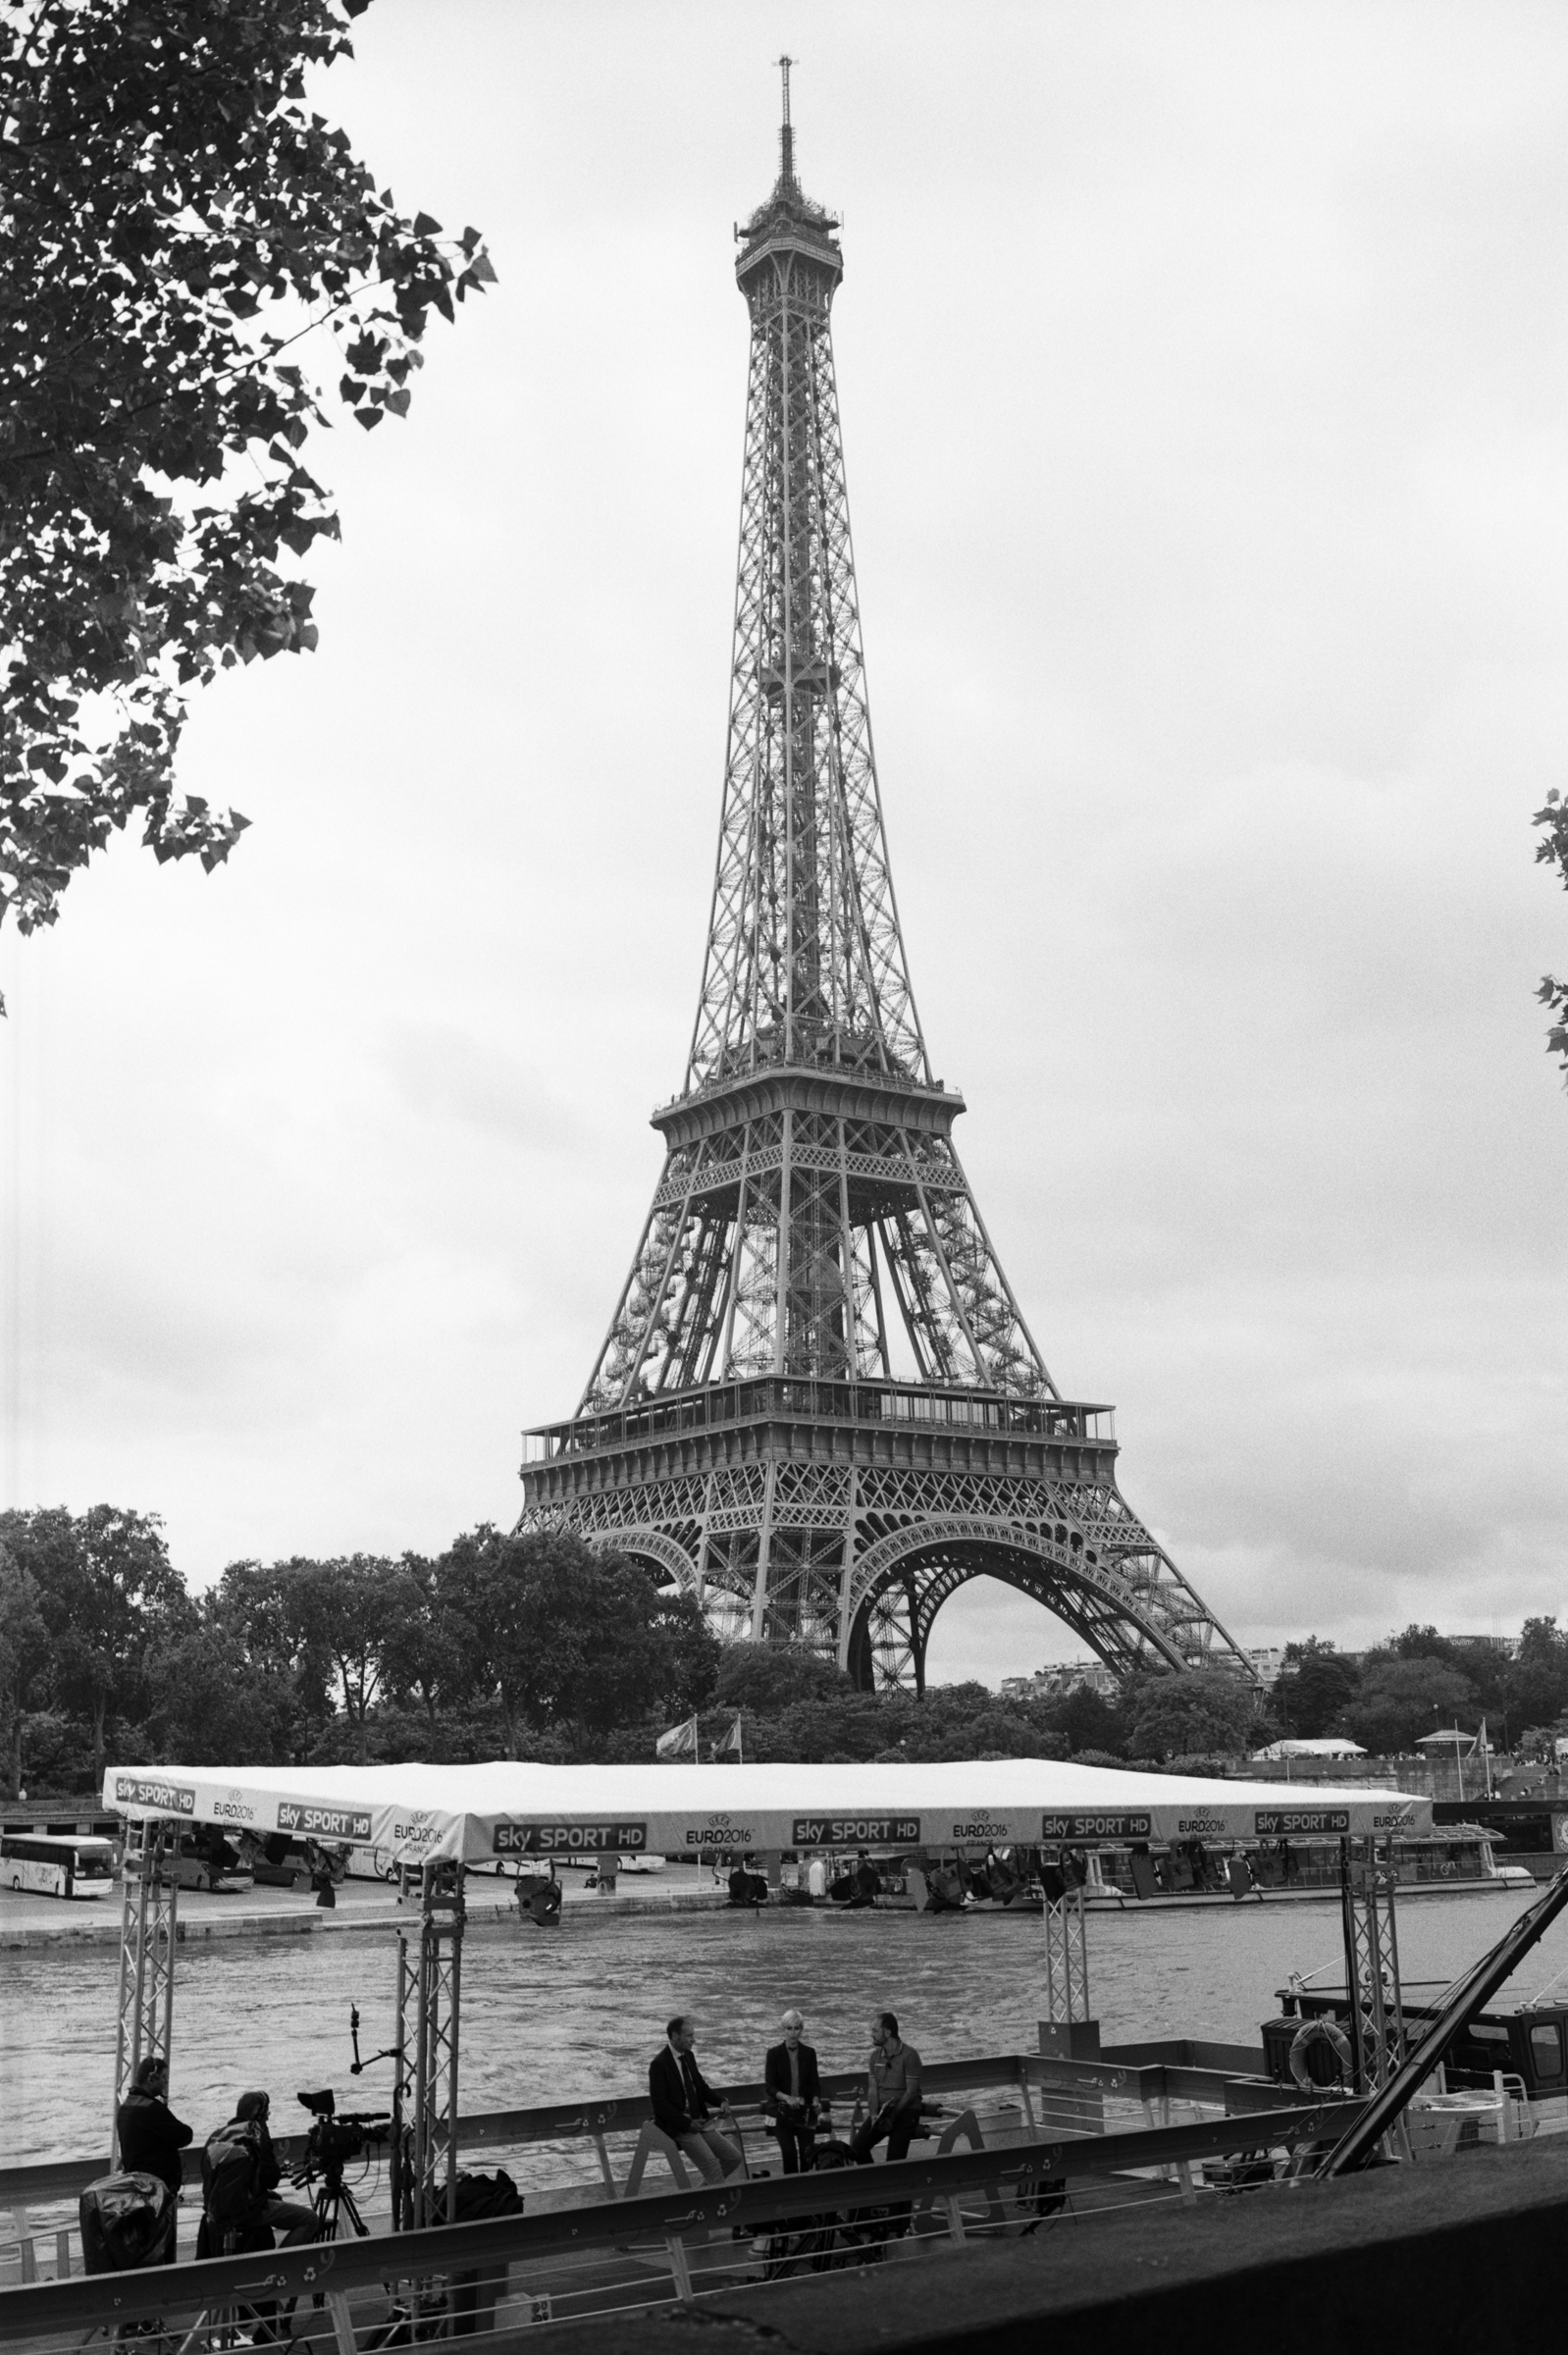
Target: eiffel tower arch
x,y
817,1406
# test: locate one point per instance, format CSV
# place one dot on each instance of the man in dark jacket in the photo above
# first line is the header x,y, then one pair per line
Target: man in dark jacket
x,y
292,2218
792,2094
150,2137
685,2103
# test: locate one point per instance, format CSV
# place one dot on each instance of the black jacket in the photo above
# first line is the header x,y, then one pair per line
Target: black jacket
x,y
272,2167
776,2076
681,2095
151,2138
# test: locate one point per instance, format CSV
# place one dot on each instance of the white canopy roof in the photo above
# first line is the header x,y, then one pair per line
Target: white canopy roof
x,y
514,1808
1316,1746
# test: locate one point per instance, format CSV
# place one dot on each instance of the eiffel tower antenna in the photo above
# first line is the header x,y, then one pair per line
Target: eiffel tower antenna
x,y
786,137
817,1406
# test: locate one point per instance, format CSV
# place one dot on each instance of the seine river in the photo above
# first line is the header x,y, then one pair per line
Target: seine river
x,y
549,2014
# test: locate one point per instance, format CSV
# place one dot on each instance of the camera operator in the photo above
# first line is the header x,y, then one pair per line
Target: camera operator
x,y
241,2173
292,2218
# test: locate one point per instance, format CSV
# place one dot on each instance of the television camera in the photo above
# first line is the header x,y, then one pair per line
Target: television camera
x,y
337,2135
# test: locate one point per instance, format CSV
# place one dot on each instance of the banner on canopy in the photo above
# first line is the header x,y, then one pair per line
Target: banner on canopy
x,y
511,1812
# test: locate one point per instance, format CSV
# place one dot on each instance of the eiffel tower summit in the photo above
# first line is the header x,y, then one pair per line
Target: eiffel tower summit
x,y
818,1406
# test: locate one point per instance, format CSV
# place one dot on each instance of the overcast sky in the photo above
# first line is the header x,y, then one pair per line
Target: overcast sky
x,y
1202,380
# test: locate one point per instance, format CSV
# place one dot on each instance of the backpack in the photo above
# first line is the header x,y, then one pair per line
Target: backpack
x,y
487,2195
231,2171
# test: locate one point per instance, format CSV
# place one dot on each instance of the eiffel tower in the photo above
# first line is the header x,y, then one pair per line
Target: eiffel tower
x,y
817,1406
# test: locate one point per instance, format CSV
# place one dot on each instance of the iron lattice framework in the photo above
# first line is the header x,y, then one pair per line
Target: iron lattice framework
x,y
150,1903
818,1405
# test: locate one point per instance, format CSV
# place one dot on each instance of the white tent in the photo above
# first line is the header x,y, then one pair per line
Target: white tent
x,y
514,1810
1317,1746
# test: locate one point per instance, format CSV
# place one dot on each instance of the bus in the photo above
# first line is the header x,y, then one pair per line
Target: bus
x,y
46,1864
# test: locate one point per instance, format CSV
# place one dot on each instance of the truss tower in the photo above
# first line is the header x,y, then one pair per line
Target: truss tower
x,y
818,1406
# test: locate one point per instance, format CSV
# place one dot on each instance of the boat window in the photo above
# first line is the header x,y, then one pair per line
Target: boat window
x,y
1546,2048
1486,2032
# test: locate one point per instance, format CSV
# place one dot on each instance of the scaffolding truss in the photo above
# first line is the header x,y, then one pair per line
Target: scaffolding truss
x,y
1367,1883
1067,1959
147,1921
430,1984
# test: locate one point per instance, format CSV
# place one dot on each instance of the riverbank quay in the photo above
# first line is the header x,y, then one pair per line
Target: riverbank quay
x,y
362,1906
1453,2256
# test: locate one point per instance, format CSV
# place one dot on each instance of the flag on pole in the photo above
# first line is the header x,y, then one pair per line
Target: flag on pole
x,y
680,1741
735,1741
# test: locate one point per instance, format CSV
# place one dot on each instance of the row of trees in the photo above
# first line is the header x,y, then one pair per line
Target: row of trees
x,y
502,1646
538,1647
1419,1681
794,1706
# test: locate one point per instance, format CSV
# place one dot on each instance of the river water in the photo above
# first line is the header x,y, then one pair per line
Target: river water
x,y
549,2014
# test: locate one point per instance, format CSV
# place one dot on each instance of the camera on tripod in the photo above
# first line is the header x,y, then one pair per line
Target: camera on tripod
x,y
337,2135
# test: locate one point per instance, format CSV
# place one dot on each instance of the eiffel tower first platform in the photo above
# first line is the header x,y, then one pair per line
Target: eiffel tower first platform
x,y
818,1406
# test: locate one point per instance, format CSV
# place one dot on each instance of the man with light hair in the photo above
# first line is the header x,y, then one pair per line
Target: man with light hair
x,y
792,2094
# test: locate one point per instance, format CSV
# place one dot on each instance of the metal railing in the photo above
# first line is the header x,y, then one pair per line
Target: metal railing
x,y
627,2253
37,2182
719,1404
1042,2095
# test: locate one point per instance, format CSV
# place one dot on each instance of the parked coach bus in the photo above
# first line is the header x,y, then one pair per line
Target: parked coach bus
x,y
52,1865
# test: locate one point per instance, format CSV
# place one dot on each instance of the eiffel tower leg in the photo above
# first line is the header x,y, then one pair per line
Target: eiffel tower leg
x,y
916,1637
847,1574
764,1557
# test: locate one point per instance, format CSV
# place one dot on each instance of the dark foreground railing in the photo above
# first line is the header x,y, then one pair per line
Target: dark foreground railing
x,y
647,2249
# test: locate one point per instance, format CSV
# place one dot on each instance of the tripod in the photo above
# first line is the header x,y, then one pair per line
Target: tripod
x,y
332,2203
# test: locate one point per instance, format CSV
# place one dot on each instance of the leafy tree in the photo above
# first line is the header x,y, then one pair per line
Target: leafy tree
x,y
327,1634
23,1654
1552,850
208,1707
285,1659
845,1727
1399,1699
1191,1711
1536,1689
576,1637
1086,1720
175,220
829,1718
107,1589
343,1609
1416,1642
769,1679
1312,1691
427,1645
1484,1665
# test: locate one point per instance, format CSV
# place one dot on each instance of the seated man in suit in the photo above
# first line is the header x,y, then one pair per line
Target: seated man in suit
x,y
793,2094
685,2103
